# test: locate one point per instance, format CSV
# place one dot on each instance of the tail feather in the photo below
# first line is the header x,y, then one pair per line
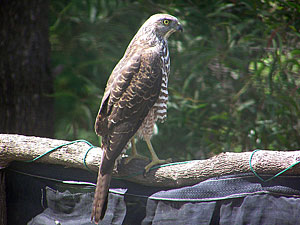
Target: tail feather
x,y
101,196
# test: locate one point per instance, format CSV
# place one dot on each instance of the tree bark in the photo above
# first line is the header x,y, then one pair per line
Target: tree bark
x,y
25,79
3,214
18,147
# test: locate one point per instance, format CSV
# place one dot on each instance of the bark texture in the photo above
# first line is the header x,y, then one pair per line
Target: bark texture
x,y
19,147
25,79
3,214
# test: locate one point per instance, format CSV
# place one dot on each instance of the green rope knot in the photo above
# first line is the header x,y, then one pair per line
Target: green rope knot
x,y
271,178
70,143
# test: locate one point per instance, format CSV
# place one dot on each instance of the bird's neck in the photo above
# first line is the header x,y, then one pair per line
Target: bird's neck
x,y
146,40
150,38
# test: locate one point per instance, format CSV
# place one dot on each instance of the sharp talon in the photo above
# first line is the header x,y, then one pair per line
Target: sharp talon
x,y
134,153
135,156
145,173
155,159
169,160
156,162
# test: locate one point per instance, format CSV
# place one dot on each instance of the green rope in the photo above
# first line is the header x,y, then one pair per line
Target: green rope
x,y
91,147
156,167
271,178
70,143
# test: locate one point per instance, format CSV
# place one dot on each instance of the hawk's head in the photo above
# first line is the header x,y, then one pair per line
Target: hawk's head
x,y
162,25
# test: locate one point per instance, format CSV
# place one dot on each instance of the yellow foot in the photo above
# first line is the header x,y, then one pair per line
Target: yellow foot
x,y
134,153
156,162
135,156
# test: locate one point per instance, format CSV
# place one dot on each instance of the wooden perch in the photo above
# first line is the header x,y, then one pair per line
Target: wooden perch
x,y
20,148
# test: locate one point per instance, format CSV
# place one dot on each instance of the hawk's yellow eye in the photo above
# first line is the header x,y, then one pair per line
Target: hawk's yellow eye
x,y
166,22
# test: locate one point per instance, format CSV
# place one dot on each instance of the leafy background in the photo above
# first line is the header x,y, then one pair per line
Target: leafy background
x,y
234,83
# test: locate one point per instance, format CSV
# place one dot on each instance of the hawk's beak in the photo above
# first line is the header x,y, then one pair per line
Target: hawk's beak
x,y
179,28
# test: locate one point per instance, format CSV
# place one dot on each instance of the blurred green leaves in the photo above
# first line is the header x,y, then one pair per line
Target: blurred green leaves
x,y
234,83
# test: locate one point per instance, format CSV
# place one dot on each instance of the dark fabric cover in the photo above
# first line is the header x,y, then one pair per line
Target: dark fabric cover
x,y
239,199
69,209
253,209
228,200
27,195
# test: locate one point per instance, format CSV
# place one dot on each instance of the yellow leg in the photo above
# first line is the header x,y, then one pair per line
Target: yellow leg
x,y
155,159
134,153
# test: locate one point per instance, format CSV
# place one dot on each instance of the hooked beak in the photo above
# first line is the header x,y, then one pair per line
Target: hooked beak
x,y
179,28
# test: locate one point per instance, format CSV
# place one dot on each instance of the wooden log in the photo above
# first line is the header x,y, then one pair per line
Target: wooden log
x,y
21,148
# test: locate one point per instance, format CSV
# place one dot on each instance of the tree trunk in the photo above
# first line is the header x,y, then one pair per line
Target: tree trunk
x,y
26,84
3,217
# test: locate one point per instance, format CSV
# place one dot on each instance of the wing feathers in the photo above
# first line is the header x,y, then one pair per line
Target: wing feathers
x,y
132,90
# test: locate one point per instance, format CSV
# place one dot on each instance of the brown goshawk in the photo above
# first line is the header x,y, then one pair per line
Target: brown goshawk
x,y
135,98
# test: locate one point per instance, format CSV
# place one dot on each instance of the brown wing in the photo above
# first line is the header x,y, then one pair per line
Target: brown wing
x,y
132,90
132,93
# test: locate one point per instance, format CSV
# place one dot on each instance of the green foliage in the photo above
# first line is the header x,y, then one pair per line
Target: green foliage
x,y
234,83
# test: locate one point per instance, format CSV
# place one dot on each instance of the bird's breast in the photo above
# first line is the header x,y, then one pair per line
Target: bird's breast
x,y
159,109
160,106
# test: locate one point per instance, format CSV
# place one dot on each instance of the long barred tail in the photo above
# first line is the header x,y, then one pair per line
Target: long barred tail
x,y
101,196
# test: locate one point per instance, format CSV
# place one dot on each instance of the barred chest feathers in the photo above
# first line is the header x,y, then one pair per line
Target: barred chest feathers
x,y
159,109
161,104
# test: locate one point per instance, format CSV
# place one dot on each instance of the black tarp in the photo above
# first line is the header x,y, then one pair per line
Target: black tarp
x,y
36,195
